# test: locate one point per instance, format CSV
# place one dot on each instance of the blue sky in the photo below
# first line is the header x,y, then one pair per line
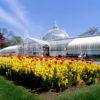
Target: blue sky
x,y
35,17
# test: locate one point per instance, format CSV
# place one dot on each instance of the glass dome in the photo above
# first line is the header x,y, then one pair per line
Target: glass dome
x,y
55,34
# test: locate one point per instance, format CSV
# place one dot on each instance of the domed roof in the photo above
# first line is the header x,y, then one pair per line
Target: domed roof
x,y
55,34
85,43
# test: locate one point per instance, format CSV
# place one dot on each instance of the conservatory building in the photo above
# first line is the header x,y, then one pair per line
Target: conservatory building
x,y
61,44
57,42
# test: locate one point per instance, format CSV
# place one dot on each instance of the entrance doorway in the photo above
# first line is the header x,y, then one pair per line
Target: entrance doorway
x,y
45,50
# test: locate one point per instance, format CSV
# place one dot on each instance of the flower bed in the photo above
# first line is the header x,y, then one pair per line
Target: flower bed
x,y
48,72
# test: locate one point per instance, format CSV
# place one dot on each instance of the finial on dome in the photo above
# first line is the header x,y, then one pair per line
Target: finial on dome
x,y
55,25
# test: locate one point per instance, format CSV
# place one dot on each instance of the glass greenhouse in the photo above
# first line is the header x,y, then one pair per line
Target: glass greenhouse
x,y
55,34
32,46
56,43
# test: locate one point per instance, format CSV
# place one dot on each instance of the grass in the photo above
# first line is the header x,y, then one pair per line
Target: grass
x,y
9,91
87,93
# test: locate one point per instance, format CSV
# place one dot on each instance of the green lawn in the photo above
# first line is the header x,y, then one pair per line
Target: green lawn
x,y
87,93
9,91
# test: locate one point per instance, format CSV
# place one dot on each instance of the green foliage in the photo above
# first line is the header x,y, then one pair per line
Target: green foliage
x,y
89,76
15,40
9,91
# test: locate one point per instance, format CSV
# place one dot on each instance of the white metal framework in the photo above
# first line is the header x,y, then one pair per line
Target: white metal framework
x,y
55,43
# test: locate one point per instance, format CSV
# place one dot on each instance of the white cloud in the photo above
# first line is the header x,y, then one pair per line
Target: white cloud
x,y
17,17
20,13
7,18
